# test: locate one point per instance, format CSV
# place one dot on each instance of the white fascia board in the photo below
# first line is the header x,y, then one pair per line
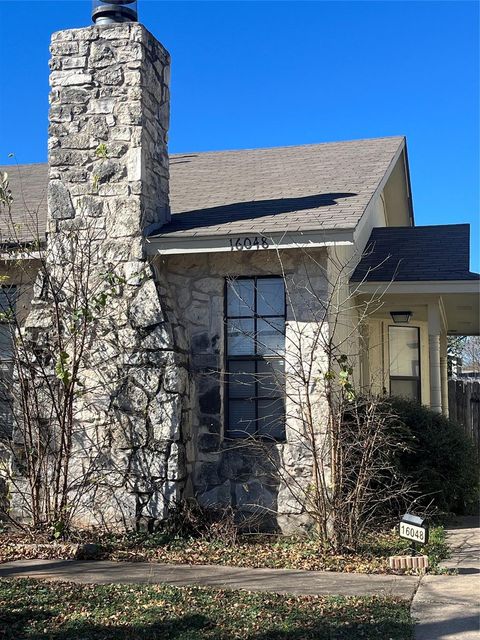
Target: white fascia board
x,y
425,287
380,187
165,245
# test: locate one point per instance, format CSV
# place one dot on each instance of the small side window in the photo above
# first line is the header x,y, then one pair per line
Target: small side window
x,y
404,349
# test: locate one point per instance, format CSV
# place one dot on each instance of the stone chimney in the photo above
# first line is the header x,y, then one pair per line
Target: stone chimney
x,y
109,120
108,186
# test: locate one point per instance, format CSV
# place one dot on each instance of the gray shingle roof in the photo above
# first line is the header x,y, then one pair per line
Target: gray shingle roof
x,y
406,254
309,187
318,186
28,217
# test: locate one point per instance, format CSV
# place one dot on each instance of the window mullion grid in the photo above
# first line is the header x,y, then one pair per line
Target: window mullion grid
x,y
256,357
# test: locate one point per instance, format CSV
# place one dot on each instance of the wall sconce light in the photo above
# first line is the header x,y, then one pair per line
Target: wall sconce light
x,y
401,317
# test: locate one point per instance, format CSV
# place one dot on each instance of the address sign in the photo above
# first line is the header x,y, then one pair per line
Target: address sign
x,y
413,528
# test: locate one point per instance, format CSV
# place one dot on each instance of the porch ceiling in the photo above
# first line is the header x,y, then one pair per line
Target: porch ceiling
x,y
461,307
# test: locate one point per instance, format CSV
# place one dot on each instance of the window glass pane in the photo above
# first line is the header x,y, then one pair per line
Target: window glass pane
x,y
7,300
6,346
240,337
271,336
240,298
404,351
404,389
271,418
270,376
241,418
241,379
270,297
6,419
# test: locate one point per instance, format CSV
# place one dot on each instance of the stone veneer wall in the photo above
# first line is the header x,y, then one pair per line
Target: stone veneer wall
x,y
108,185
231,473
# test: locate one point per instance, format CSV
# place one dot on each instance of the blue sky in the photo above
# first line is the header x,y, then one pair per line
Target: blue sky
x,y
253,74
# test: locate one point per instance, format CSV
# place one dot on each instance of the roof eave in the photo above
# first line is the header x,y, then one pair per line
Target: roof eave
x,y
416,286
165,245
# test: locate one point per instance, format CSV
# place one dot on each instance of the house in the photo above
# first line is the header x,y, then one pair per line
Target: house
x,y
237,268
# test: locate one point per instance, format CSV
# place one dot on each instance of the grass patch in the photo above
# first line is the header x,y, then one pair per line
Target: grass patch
x,y
275,552
33,610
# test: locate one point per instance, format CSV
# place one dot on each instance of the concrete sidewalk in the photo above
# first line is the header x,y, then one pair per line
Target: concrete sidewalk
x,y
277,580
448,607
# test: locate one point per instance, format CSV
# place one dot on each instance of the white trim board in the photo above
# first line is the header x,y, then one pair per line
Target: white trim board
x,y
165,245
419,286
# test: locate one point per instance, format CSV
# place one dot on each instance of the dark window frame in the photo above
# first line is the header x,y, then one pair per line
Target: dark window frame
x,y
251,358
6,367
418,378
12,298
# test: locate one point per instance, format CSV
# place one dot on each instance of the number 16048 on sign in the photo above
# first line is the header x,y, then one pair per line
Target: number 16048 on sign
x,y
412,532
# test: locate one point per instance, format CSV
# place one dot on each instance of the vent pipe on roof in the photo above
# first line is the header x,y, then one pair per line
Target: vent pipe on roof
x,y
112,11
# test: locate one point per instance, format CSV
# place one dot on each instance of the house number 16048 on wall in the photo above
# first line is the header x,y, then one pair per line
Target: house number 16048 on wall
x,y
254,242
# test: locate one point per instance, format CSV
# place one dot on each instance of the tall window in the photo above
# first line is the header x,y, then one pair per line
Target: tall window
x,y
404,348
7,309
255,348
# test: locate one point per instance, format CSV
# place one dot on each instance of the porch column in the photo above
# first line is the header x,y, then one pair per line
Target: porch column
x,y
434,357
444,372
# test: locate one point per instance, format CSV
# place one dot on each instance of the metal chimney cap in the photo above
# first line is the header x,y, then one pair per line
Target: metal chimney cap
x,y
114,11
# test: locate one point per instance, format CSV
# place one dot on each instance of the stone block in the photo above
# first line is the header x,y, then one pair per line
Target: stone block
x,y
148,379
159,338
110,76
176,463
63,48
217,498
102,106
291,498
129,431
69,78
91,206
111,171
198,313
75,95
200,342
134,272
296,524
254,495
206,477
164,414
131,399
208,442
155,506
145,310
148,464
211,423
124,218
209,285
101,55
74,62
60,206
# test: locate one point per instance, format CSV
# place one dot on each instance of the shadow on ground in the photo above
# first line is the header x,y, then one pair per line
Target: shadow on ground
x,y
189,627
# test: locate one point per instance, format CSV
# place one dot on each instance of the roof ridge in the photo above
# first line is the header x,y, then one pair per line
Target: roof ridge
x,y
289,146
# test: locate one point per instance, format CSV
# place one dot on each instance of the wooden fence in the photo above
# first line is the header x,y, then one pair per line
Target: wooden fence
x,y
464,406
